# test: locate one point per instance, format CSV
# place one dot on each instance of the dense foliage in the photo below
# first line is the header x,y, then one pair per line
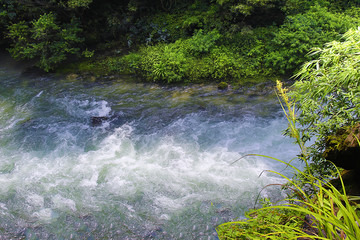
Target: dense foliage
x,y
44,40
327,96
174,41
301,32
328,93
318,209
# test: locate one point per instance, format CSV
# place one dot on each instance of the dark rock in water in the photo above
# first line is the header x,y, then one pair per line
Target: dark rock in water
x,y
115,120
343,148
97,121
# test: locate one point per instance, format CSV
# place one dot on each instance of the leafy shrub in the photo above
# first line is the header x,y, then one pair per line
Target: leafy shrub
x,y
199,58
163,63
79,3
157,35
132,61
200,69
173,63
44,40
192,22
328,92
7,14
303,31
126,64
202,43
225,64
292,7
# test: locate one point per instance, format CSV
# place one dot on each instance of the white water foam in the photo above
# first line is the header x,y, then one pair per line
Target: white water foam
x,y
171,174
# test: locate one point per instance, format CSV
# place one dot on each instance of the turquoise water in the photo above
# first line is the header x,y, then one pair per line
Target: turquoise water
x,y
158,166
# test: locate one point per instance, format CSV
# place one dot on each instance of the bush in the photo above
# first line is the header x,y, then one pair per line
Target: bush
x,y
175,63
301,32
164,63
202,43
328,92
293,7
225,65
44,40
199,58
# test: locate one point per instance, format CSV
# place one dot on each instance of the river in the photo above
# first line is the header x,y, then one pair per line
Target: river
x,y
158,165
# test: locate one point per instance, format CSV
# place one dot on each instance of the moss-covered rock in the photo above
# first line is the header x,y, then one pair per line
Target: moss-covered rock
x,y
343,148
223,86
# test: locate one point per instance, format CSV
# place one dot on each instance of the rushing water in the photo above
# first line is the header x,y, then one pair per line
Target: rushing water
x,y
158,167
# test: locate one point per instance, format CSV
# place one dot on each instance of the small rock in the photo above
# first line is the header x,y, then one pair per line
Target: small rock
x,y
97,121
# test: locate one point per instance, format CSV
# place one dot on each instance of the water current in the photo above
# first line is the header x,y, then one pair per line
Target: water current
x,y
158,165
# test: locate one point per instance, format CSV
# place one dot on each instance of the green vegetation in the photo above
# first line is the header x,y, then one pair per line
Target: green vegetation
x,y
44,40
169,41
238,51
327,95
327,214
304,31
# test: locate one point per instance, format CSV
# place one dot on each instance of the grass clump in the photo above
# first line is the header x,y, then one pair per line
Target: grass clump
x,y
328,214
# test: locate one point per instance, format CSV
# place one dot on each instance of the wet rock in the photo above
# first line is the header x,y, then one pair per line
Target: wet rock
x,y
343,148
114,120
97,121
309,227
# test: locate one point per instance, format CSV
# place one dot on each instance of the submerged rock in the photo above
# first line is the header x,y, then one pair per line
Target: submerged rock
x,y
115,120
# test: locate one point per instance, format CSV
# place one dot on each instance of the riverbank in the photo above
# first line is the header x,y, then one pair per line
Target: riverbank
x,y
183,43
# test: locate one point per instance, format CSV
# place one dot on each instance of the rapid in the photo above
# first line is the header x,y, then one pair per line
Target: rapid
x,y
160,163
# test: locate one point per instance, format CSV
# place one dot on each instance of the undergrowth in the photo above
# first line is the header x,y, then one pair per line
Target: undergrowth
x,y
324,212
